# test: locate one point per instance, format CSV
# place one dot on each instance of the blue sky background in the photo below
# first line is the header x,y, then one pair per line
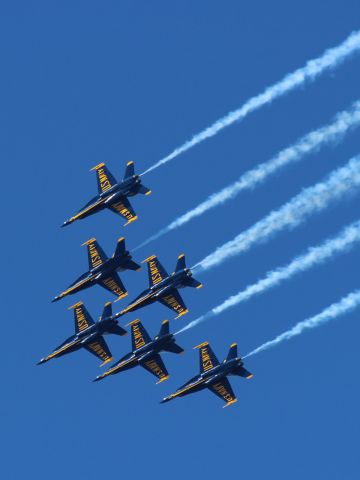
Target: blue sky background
x,y
86,82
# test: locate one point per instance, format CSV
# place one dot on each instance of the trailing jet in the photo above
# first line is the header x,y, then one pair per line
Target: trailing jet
x,y
145,352
112,194
89,334
213,375
102,270
164,287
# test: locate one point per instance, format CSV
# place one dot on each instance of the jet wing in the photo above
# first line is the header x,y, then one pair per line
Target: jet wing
x,y
123,207
156,272
139,336
100,349
96,254
208,358
156,366
223,389
114,285
104,177
174,301
82,317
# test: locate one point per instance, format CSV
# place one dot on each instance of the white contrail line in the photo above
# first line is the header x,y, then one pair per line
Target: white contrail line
x,y
346,305
331,58
309,143
345,240
311,200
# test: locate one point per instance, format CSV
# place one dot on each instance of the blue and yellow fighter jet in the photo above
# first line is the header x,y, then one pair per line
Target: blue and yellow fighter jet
x,y
164,287
213,375
102,270
145,352
112,194
89,334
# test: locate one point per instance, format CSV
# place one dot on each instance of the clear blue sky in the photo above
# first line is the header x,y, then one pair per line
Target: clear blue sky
x,y
86,82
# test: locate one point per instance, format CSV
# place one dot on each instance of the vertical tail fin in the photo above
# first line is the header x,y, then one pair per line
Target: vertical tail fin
x,y
120,248
129,170
164,329
107,312
180,264
232,352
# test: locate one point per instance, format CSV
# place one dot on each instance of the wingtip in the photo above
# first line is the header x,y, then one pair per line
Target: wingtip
x,y
230,403
97,166
203,344
149,258
106,361
163,379
120,297
131,220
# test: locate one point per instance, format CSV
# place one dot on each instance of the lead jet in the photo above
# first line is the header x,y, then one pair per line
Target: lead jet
x,y
89,334
145,352
102,270
213,375
113,194
164,287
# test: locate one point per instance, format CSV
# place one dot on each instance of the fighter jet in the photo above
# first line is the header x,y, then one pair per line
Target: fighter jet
x,y
112,194
145,352
89,335
213,375
163,287
102,270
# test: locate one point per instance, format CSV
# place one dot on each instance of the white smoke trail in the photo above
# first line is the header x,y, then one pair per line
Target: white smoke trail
x,y
310,143
346,239
346,305
313,68
313,199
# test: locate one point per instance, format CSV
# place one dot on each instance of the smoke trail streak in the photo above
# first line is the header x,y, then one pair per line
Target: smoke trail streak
x,y
313,68
346,305
311,200
346,239
309,143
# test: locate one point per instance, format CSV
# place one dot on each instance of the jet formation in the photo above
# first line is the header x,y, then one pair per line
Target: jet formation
x,y
163,288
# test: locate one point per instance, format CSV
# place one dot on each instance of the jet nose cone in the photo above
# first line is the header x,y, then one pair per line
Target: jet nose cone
x,y
43,360
99,377
55,299
164,400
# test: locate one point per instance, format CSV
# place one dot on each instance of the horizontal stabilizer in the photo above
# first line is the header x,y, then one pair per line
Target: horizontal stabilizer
x,y
173,348
191,282
242,372
117,330
144,190
131,265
